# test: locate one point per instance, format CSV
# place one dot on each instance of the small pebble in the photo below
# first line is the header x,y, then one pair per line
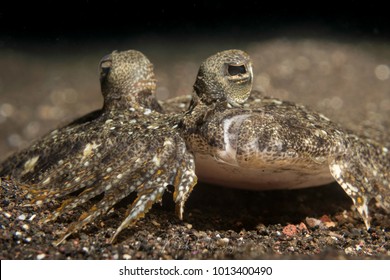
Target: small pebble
x,y
189,226
348,250
223,241
325,219
41,256
312,222
126,257
291,248
302,227
7,215
22,217
32,217
290,230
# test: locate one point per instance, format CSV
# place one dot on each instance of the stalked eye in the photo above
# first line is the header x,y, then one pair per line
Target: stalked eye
x,y
234,70
105,66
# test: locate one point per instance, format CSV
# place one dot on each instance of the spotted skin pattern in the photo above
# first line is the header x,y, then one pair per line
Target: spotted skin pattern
x,y
126,147
267,143
234,136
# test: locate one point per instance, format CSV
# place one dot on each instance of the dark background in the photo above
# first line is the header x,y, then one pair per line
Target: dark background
x,y
74,21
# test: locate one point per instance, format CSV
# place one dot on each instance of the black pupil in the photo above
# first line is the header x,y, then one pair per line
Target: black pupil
x,y
235,70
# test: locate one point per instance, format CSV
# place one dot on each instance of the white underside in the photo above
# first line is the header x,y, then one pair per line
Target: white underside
x,y
268,177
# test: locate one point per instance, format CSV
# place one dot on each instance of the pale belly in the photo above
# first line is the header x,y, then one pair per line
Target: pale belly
x,y
260,178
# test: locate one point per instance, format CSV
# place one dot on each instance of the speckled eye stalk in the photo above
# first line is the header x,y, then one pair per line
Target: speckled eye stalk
x,y
105,66
225,77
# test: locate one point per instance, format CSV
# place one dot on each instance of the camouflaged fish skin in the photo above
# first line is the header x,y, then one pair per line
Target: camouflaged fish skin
x,y
125,147
229,135
247,140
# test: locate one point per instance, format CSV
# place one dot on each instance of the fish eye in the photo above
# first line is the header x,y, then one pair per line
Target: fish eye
x,y
235,70
105,66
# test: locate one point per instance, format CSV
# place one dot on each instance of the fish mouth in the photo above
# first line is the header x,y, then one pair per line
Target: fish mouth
x,y
240,79
238,100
